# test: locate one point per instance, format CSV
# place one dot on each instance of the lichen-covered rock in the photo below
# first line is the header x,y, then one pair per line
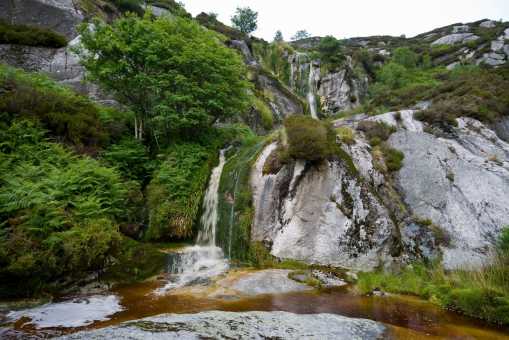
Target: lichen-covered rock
x,y
61,16
320,213
250,325
455,38
461,183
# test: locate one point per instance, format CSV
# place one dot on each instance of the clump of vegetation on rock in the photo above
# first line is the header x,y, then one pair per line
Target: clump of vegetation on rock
x,y
30,36
308,138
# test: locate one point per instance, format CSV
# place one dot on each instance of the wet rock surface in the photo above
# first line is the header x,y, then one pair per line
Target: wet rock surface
x,y
252,325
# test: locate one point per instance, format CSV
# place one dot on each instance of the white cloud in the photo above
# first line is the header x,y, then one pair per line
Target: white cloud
x,y
350,18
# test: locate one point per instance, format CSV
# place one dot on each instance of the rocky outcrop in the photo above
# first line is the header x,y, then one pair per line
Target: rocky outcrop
x,y
320,213
61,16
455,38
251,325
449,198
338,90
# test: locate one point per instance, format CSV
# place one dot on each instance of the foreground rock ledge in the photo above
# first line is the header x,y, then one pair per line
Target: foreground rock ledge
x,y
251,325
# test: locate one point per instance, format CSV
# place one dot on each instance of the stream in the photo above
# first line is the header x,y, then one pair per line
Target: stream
x,y
199,278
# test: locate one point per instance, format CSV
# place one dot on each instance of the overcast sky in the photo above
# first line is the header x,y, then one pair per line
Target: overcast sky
x,y
354,18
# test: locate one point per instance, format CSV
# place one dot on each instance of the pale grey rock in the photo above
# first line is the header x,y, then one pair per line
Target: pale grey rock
x,y
455,38
488,24
250,325
61,16
241,46
328,280
341,93
497,45
158,11
501,128
453,65
506,33
321,214
491,59
472,208
271,281
461,29
506,50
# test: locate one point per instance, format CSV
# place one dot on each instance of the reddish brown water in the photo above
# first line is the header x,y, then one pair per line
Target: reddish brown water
x,y
408,318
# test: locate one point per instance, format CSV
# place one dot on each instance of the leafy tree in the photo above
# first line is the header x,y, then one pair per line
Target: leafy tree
x,y
245,20
175,76
302,34
278,37
331,51
405,57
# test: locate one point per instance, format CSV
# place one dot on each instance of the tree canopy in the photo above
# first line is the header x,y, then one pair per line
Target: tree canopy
x,y
302,34
175,75
245,20
331,51
278,37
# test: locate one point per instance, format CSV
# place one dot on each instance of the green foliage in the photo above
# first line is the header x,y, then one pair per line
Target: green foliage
x,y
30,36
346,135
175,193
177,77
405,57
133,6
393,158
469,91
235,208
59,212
69,117
307,138
331,51
482,293
300,35
245,20
478,294
265,113
278,37
131,158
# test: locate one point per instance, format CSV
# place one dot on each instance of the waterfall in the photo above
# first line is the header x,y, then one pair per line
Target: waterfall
x,y
207,235
198,263
311,92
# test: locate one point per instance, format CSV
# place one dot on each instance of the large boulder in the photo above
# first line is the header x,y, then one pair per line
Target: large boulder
x,y
61,16
251,325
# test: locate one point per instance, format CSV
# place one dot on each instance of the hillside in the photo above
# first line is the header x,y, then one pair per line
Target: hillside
x,y
130,129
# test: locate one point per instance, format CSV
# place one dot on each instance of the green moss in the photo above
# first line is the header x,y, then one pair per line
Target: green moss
x,y
307,138
393,158
30,36
346,135
265,113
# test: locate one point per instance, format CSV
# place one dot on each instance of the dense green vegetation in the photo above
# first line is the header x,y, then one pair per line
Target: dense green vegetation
x,y
308,138
177,77
68,117
30,36
482,293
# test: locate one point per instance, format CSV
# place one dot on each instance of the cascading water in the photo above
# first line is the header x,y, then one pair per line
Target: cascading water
x,y
196,264
311,91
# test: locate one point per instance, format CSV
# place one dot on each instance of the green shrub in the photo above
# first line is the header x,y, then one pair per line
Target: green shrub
x,y
331,51
307,138
393,158
346,135
30,36
131,158
69,117
265,113
59,213
175,193
405,57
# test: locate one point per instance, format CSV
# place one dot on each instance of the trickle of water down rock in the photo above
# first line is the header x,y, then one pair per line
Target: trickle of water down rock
x,y
311,93
196,264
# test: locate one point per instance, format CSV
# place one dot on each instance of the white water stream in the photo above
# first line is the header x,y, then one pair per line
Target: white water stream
x,y
196,264
311,92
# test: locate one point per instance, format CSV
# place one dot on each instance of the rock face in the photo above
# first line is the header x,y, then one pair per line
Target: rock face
x,y
455,38
461,183
322,213
252,325
339,90
61,16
